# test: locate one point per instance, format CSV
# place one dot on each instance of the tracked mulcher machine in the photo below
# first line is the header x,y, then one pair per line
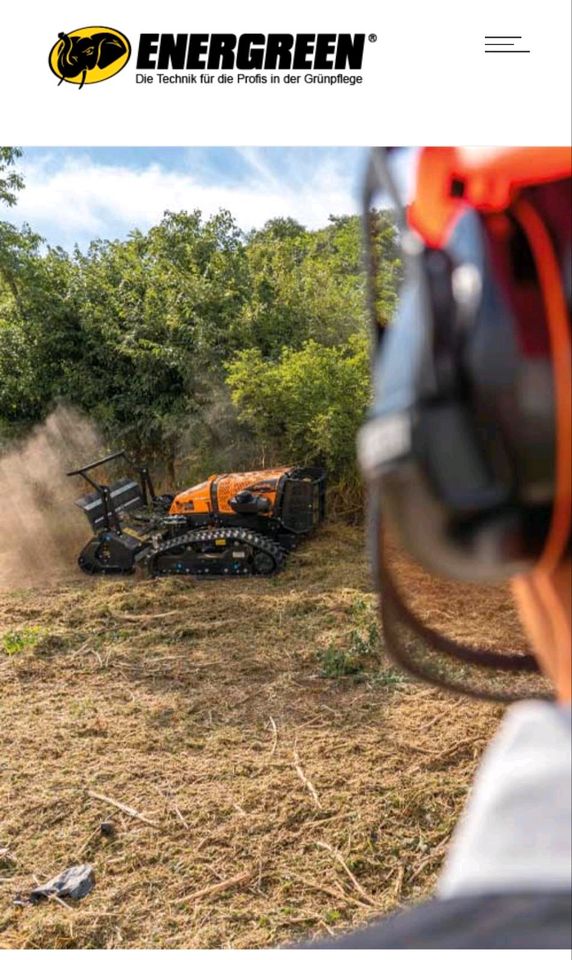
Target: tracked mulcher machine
x,y
232,524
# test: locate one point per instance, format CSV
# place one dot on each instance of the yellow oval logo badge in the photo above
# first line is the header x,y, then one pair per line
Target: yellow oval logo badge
x,y
89,55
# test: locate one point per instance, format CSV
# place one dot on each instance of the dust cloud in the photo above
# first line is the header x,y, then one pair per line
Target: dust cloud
x,y
41,530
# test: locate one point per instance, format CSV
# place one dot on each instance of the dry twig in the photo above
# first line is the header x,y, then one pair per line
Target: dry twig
x,y
237,881
338,857
441,715
54,896
307,783
87,842
274,736
143,617
330,891
130,811
399,882
173,806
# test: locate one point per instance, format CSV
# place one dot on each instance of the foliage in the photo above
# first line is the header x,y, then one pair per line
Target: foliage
x,y
336,662
40,337
390,678
194,343
309,403
10,180
359,652
15,641
155,317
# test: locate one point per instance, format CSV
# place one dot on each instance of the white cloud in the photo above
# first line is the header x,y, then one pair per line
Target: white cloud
x,y
81,199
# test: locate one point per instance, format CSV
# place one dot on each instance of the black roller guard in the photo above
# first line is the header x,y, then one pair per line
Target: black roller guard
x,y
111,553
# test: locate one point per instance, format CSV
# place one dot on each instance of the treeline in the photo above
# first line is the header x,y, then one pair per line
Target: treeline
x,y
195,345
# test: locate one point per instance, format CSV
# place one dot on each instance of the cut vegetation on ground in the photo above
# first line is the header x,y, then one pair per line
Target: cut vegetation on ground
x,y
264,774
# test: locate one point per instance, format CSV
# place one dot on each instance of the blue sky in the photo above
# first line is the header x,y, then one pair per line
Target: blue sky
x,y
75,195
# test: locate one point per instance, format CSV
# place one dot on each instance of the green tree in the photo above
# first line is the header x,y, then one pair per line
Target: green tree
x,y
155,317
10,179
194,339
307,405
40,334
311,284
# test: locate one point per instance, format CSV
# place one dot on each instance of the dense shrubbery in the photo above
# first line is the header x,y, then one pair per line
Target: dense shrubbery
x,y
308,403
194,343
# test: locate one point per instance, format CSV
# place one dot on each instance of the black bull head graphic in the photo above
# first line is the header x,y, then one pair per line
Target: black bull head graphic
x,y
78,55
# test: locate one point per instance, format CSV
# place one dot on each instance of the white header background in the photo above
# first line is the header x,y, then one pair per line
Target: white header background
x,y
427,80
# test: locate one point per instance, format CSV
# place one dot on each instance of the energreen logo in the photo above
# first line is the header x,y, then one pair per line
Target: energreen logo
x,y
89,55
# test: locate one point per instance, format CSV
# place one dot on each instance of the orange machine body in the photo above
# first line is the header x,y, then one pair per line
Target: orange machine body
x,y
213,496
232,524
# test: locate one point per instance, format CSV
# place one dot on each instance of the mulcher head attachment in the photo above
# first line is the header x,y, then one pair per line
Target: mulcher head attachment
x,y
116,547
112,553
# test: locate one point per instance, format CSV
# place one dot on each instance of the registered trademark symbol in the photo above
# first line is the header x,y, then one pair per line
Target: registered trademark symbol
x,y
372,37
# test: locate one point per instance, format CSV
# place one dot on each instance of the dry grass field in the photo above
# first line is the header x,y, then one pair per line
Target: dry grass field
x,y
282,780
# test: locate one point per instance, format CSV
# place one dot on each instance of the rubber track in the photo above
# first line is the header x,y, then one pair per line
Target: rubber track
x,y
239,534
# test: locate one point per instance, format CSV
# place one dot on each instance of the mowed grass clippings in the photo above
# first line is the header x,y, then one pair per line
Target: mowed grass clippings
x,y
267,800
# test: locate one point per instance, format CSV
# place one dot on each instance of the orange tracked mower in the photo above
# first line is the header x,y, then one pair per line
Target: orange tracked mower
x,y
232,524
